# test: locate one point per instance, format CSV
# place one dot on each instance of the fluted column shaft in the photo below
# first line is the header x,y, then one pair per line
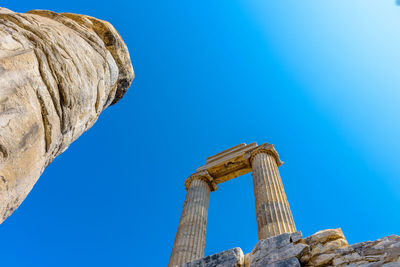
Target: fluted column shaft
x,y
191,235
272,208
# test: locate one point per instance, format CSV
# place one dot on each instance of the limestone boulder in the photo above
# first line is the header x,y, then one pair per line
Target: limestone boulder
x,y
281,250
322,247
324,236
58,72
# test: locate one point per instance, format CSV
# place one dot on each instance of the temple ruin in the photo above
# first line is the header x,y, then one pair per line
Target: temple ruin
x,y
272,208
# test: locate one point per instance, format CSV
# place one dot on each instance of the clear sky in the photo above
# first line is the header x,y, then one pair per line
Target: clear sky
x,y
319,79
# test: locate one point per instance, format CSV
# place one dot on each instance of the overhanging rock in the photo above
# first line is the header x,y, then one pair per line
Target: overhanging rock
x,y
58,72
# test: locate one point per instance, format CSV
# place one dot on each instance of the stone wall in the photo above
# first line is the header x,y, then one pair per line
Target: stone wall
x,y
324,248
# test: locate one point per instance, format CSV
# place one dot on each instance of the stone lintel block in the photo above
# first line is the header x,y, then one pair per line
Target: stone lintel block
x,y
229,164
230,258
235,161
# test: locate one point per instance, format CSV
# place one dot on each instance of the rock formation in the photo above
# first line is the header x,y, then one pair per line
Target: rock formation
x,y
325,248
58,72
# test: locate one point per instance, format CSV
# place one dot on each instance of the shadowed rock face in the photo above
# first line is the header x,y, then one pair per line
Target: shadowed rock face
x,y
58,72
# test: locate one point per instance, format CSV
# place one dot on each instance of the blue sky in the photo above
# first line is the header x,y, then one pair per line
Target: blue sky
x,y
319,79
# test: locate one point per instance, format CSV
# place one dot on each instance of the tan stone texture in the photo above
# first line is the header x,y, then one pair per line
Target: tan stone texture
x,y
191,235
273,212
324,248
229,163
58,72
274,216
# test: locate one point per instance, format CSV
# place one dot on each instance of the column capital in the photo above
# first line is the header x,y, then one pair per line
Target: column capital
x,y
202,175
264,148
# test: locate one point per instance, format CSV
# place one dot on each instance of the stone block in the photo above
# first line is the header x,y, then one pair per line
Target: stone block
x,y
322,259
265,245
324,236
230,258
346,259
278,248
296,237
279,254
291,262
301,249
328,248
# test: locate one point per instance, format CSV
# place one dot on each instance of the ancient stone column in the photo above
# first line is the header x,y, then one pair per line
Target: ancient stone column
x,y
272,208
190,238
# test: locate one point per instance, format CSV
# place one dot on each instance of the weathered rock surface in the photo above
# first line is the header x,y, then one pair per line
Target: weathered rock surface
x,y
229,258
382,252
281,250
324,248
58,72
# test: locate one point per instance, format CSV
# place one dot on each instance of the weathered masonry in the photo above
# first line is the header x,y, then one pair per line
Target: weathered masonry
x,y
272,208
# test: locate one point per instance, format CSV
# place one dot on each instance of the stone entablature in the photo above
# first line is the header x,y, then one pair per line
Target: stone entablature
x,y
229,164
235,162
272,208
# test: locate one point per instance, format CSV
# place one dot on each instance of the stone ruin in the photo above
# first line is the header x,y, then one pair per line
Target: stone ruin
x,y
280,244
58,72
